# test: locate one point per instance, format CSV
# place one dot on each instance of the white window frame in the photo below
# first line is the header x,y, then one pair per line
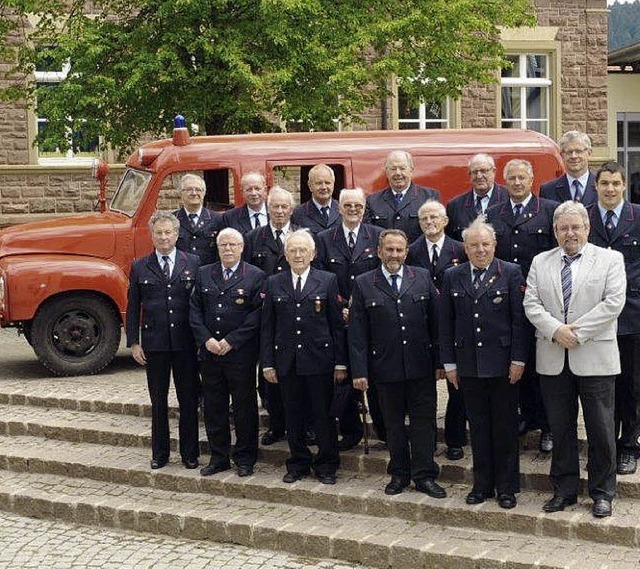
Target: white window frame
x,y
422,121
523,83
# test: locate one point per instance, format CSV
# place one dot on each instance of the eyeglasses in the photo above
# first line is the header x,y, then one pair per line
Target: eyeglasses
x,y
229,245
357,206
193,190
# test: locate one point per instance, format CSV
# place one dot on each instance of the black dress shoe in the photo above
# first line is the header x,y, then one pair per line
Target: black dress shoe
x,y
347,443
546,441
212,469
601,508
191,464
271,437
158,463
431,488
326,478
474,497
455,453
558,503
291,477
396,486
245,470
507,501
627,464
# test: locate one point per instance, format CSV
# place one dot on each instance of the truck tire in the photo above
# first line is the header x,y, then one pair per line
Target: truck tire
x,y
76,334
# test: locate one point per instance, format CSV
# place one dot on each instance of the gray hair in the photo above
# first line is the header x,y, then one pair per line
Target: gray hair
x,y
571,208
254,174
231,232
574,136
392,232
193,178
303,234
441,209
402,154
164,216
516,163
479,224
322,168
279,191
482,158
352,193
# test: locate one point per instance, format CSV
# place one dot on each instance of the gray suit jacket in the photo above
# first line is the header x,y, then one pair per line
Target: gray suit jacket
x,y
597,299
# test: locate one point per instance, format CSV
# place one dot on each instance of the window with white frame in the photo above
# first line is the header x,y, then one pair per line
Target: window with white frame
x,y
526,92
426,115
83,147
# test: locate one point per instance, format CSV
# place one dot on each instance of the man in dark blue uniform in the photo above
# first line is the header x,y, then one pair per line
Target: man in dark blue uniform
x,y
264,248
348,250
321,211
158,305
396,207
437,252
225,319
615,224
253,213
524,228
303,349
484,193
578,184
483,346
199,226
392,342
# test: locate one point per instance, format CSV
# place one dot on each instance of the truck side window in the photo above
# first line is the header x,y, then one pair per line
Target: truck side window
x,y
220,189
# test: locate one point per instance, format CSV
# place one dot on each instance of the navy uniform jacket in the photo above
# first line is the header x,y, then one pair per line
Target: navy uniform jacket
x,y
159,308
335,256
238,218
461,210
200,240
393,338
482,331
626,239
261,250
381,209
558,190
520,240
452,254
309,216
305,336
228,310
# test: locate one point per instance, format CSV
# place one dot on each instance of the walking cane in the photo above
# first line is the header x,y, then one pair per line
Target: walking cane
x,y
365,425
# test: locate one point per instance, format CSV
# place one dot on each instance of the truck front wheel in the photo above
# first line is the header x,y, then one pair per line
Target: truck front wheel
x,y
76,334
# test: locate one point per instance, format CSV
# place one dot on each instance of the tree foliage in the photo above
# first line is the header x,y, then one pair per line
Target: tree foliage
x,y
229,65
624,24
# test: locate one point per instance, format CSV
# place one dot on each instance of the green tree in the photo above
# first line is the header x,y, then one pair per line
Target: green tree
x,y
229,65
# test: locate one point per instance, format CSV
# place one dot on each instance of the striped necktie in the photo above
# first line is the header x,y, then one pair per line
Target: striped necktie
x,y
565,276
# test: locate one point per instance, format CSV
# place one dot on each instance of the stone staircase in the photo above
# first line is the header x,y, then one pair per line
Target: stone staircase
x,y
77,449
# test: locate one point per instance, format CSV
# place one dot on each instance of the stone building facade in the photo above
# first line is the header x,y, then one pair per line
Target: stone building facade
x,y
558,82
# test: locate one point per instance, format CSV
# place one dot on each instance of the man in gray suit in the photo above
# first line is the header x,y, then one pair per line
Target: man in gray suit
x,y
574,296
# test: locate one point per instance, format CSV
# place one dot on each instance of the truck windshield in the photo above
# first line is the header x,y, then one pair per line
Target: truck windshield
x,y
132,187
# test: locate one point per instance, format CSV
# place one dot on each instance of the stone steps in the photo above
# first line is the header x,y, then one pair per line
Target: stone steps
x,y
349,521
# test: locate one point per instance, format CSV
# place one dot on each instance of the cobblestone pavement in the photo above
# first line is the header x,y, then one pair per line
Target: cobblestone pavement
x,y
27,543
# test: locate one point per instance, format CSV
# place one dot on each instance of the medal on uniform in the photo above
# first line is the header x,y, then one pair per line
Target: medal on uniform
x,y
498,299
241,294
317,305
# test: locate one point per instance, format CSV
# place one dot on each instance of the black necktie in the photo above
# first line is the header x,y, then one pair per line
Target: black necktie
x,y
577,195
478,206
609,224
477,275
256,220
192,219
398,198
434,258
227,274
517,210
394,283
325,214
279,239
166,269
299,287
352,241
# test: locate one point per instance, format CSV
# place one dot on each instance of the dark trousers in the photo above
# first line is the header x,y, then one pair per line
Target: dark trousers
x,y
221,380
184,365
411,448
627,411
596,394
275,407
318,391
492,408
376,412
532,410
346,409
455,419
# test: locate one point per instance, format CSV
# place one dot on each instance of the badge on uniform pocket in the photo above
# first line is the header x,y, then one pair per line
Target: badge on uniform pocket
x,y
317,305
240,300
